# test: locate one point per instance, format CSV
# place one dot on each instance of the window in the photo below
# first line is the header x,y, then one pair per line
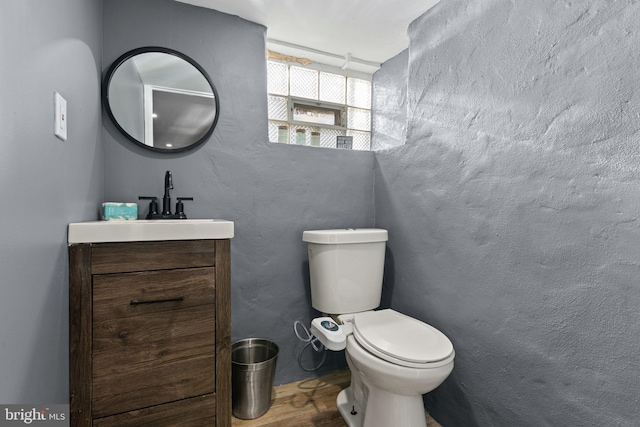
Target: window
x,y
318,108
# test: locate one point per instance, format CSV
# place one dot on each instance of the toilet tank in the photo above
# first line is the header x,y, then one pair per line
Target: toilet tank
x,y
346,268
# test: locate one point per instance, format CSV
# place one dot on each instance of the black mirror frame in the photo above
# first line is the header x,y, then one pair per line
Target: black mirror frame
x,y
105,96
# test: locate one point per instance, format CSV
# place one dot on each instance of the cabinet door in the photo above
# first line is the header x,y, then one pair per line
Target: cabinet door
x,y
153,338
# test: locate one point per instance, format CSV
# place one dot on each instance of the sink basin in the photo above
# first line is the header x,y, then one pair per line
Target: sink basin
x,y
148,230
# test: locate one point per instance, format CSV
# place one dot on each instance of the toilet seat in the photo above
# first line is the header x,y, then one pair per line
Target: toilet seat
x,y
401,339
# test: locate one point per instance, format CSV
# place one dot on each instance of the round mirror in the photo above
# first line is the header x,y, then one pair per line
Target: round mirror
x,y
161,99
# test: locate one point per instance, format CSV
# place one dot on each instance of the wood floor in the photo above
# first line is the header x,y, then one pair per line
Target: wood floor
x,y
307,403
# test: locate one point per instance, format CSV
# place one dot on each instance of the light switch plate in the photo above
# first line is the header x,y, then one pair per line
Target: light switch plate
x,y
60,121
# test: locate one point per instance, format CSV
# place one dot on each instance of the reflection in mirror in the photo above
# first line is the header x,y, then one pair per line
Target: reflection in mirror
x,y
161,99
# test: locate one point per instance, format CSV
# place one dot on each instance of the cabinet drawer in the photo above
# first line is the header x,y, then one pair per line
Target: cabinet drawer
x,y
153,338
135,294
143,256
195,412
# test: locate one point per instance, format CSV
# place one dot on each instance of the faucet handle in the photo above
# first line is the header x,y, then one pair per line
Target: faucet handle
x,y
153,205
180,207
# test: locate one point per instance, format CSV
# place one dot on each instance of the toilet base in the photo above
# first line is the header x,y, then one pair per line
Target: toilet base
x,y
346,405
390,409
385,409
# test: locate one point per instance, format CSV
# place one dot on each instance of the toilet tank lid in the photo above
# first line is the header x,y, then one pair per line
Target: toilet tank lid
x,y
345,235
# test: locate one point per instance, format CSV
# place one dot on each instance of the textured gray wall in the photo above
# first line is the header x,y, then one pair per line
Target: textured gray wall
x,y
512,208
272,192
389,100
45,184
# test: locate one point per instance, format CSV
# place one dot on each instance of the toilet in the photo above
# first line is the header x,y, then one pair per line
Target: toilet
x,y
394,359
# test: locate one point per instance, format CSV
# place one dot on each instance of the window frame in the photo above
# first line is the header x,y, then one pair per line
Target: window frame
x,y
344,108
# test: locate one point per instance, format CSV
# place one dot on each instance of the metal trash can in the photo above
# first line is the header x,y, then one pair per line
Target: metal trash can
x,y
253,363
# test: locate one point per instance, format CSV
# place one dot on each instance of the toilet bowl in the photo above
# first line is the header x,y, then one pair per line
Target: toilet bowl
x,y
394,360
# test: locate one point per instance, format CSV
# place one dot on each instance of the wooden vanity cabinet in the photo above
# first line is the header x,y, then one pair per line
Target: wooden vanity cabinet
x,y
150,334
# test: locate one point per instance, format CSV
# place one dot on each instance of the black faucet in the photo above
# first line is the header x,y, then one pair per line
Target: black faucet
x,y
166,202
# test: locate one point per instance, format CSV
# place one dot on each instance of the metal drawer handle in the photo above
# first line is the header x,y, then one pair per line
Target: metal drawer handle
x,y
155,301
